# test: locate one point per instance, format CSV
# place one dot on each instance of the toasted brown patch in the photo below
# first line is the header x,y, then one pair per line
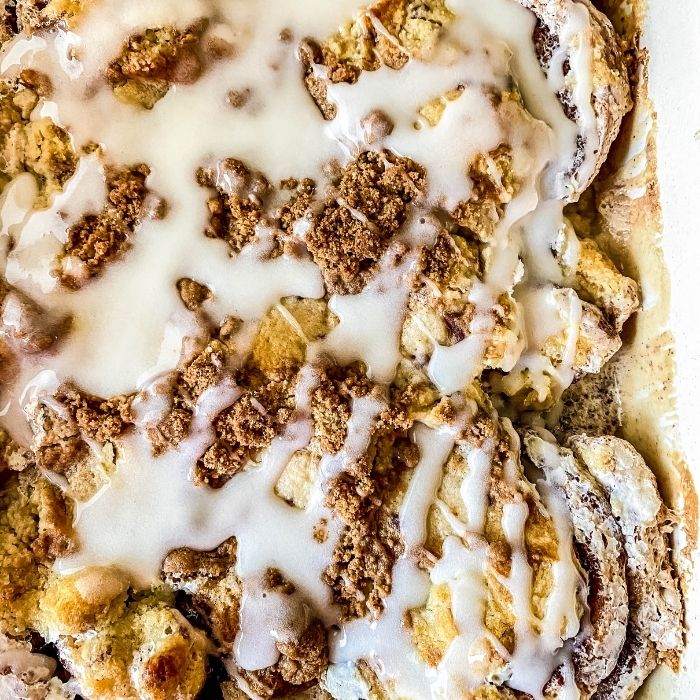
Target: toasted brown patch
x,y
355,226
99,239
35,528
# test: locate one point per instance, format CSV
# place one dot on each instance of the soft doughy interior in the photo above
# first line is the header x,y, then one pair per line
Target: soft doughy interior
x,y
284,287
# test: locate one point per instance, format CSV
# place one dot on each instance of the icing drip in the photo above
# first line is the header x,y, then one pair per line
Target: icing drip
x,y
529,672
559,623
475,486
365,412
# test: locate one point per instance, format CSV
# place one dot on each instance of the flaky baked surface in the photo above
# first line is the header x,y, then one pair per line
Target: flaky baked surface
x,y
455,547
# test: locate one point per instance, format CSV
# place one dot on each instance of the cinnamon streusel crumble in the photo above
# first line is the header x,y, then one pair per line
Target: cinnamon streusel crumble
x,y
296,300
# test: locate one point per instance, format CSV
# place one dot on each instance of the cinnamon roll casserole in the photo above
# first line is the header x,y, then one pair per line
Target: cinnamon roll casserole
x,y
300,306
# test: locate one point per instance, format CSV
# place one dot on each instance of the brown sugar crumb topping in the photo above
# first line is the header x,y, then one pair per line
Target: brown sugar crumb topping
x,y
365,499
311,53
302,661
331,413
267,382
237,207
170,431
60,431
355,226
299,203
244,200
99,419
58,445
98,239
202,372
243,430
238,99
205,370
152,61
321,531
331,406
193,294
246,423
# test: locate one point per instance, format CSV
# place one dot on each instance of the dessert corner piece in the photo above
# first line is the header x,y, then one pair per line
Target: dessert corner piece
x,y
288,291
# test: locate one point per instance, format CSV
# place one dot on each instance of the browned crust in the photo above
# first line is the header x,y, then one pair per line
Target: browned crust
x,y
600,549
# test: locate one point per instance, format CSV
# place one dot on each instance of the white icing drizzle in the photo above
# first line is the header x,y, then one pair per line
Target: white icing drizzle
x,y
371,321
530,669
559,623
267,617
475,486
385,642
463,569
535,217
435,448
